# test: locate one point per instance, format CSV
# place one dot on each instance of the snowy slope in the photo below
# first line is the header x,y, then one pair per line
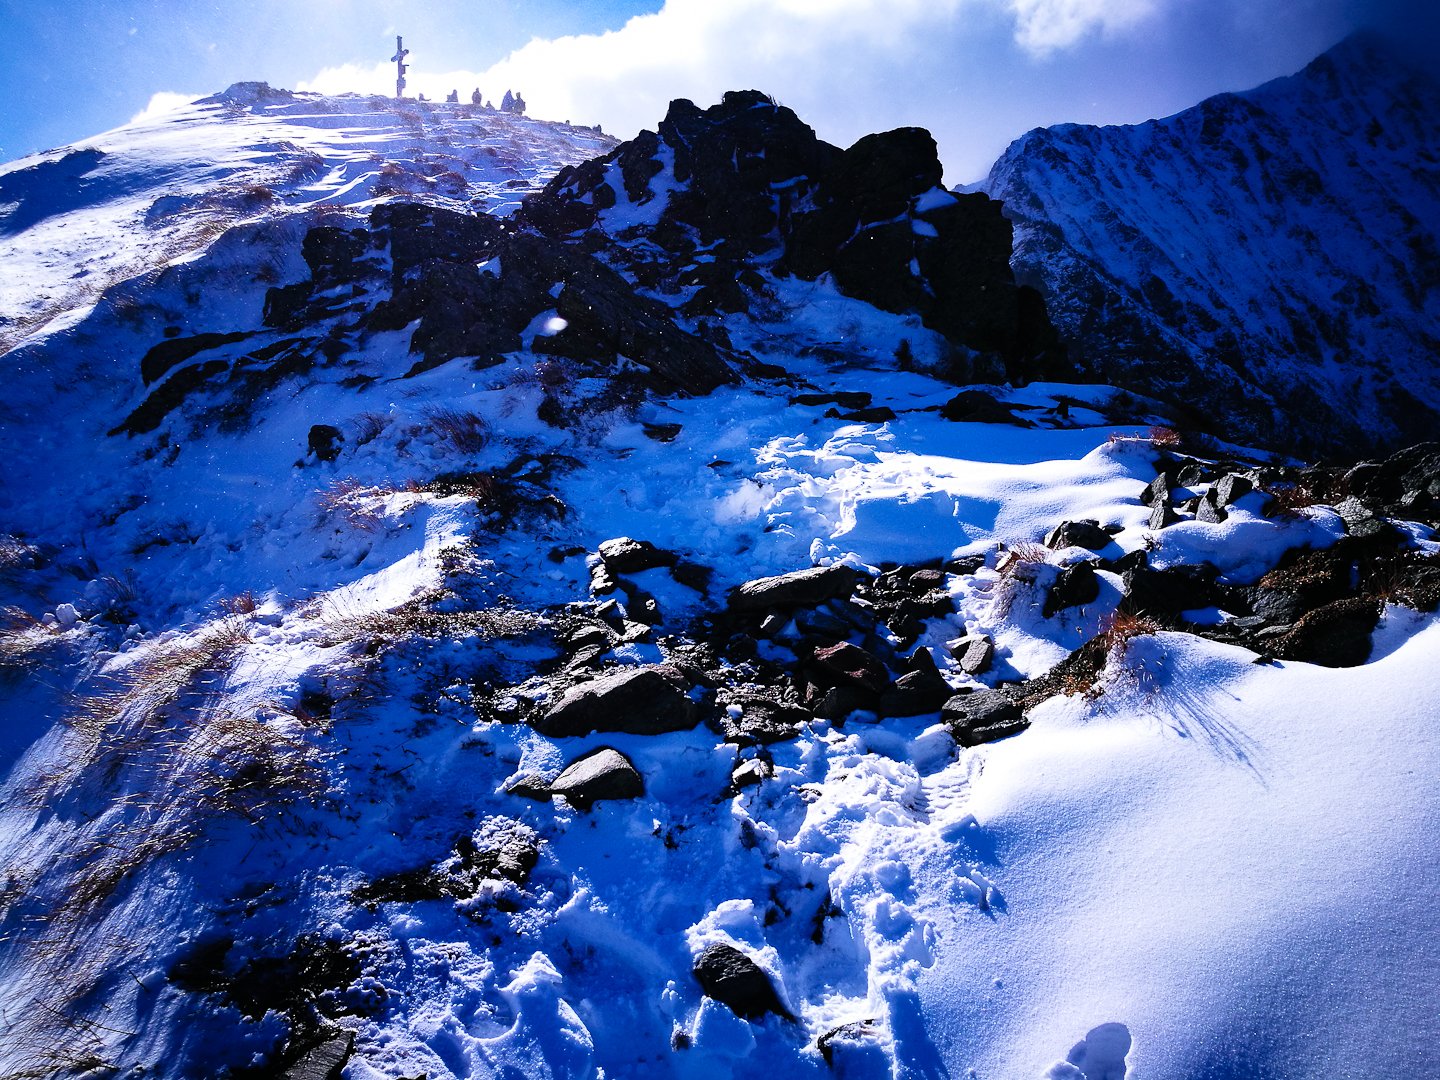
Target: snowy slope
x,y
289,643
1269,258
75,220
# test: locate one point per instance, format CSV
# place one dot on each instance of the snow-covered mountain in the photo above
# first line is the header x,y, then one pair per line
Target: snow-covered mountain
x,y
1269,259
476,611
79,219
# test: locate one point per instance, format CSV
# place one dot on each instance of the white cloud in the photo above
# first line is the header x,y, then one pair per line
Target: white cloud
x,y
846,66
164,102
1042,26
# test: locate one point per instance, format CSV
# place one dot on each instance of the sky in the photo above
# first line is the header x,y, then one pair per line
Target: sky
x,y
977,73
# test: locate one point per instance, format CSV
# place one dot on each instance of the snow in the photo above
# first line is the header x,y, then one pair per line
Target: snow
x,y
1214,869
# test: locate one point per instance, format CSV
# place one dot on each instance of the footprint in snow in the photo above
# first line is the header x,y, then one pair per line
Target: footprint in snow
x,y
1098,1056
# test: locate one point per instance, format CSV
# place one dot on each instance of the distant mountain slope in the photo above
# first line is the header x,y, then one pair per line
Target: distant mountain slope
x,y
1270,258
75,220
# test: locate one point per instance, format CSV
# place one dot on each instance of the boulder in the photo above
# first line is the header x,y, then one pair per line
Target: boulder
x,y
601,774
916,693
325,440
637,701
983,716
974,653
1075,585
730,977
622,555
851,664
1336,635
802,588
1086,533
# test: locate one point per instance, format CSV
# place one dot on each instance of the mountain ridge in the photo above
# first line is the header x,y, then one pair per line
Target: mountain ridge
x,y
1262,257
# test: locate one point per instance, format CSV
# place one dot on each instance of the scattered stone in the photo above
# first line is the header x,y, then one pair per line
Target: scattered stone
x,y
1230,487
1162,516
846,399
751,772
983,716
730,977
1336,635
877,414
325,440
1076,584
638,701
1209,510
622,555
1086,533
974,653
601,774
916,693
838,702
853,665
530,786
322,1058
1166,593
1158,491
803,588
751,719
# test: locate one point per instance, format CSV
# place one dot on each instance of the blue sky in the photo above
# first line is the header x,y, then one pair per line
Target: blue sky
x,y
976,72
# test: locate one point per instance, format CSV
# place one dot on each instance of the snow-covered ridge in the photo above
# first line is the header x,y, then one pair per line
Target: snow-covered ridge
x,y
442,644
76,220
1267,258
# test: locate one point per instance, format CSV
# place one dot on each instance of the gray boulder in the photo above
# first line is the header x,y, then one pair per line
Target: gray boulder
x,y
601,774
637,701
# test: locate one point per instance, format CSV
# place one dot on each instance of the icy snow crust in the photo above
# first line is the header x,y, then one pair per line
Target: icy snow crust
x,y
1215,870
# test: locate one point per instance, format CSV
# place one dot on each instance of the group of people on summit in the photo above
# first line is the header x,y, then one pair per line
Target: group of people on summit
x,y
510,103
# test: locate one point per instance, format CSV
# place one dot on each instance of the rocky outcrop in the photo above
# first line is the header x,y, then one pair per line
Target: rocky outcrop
x,y
746,179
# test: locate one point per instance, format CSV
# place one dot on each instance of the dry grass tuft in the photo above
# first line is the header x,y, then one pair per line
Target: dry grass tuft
x,y
463,432
1103,658
24,639
360,505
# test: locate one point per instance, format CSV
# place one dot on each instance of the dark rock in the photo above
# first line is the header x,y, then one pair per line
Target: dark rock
x,y
1209,510
974,654
879,414
169,396
1161,516
978,407
169,354
622,555
530,786
1086,534
983,716
803,588
1336,635
852,664
1230,487
325,440
838,702
601,774
1075,585
692,575
321,1057
762,720
846,399
1166,593
916,693
637,701
1158,491
662,432
730,977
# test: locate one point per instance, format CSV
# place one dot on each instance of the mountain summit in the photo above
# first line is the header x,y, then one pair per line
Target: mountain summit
x,y
1267,258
